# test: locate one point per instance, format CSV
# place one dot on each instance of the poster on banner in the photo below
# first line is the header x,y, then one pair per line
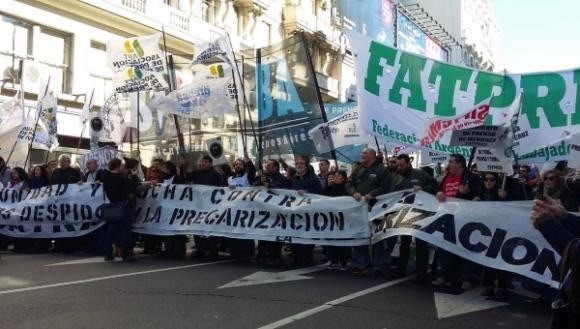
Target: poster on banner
x,y
215,149
489,161
494,234
429,157
341,131
482,136
398,91
437,127
138,63
574,156
103,155
108,123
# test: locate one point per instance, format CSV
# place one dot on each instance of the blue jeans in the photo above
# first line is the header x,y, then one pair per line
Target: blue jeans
x,y
361,257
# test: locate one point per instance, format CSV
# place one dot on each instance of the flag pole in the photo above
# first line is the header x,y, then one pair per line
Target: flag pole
x,y
318,95
138,126
39,110
172,86
244,140
85,121
244,99
259,102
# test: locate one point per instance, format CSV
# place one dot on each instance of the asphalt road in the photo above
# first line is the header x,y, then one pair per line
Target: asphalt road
x,y
40,291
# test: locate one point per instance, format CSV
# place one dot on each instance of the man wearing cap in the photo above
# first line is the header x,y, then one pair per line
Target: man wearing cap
x,y
406,177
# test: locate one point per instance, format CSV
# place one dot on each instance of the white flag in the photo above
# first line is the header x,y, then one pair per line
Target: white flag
x,y
210,50
340,131
138,63
11,114
199,99
85,113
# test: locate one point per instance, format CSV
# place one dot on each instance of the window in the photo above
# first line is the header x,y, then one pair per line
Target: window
x,y
15,44
100,74
52,51
48,48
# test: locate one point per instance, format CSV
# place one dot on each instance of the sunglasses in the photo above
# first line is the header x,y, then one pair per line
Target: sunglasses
x,y
550,178
489,179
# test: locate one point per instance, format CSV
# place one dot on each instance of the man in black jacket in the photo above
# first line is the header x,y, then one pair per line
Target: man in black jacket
x,y
93,174
271,251
406,177
368,181
65,174
205,174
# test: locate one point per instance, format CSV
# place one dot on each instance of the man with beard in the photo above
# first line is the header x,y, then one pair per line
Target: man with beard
x,y
205,174
367,182
406,177
243,176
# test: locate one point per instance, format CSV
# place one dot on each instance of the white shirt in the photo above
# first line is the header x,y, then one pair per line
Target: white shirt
x,y
241,181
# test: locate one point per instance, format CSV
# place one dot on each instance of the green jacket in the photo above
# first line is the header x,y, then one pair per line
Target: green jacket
x,y
375,180
403,181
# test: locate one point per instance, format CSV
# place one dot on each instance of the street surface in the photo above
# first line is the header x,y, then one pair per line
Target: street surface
x,y
81,291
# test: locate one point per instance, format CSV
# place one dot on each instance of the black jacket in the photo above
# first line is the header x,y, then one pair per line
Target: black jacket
x,y
309,183
119,188
65,176
99,175
207,177
374,180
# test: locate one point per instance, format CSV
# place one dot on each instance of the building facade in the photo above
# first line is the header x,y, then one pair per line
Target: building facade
x,y
66,40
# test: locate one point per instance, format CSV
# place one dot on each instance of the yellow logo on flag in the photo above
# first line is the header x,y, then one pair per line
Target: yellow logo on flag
x,y
133,46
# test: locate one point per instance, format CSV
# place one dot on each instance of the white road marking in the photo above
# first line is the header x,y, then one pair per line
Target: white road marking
x,y
91,260
109,277
467,302
332,303
10,281
274,277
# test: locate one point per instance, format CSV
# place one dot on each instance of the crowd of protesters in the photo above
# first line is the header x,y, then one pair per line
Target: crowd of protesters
x,y
370,177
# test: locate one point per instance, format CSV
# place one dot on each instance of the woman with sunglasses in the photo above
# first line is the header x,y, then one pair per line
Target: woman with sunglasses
x,y
492,191
555,188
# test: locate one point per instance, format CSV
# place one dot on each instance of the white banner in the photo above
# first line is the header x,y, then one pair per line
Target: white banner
x,y
253,213
494,234
51,212
340,131
138,63
399,91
